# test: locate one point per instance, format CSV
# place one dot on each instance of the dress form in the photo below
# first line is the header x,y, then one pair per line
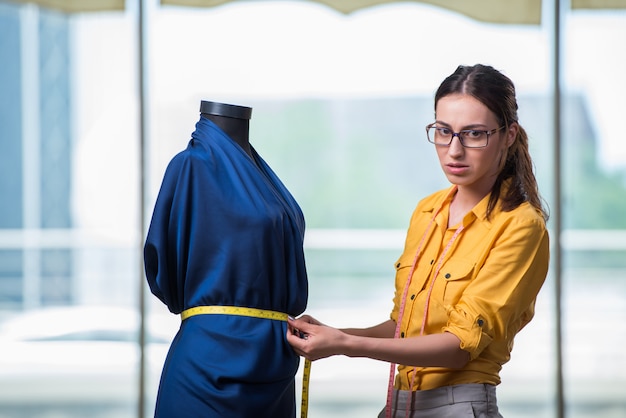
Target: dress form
x,y
225,231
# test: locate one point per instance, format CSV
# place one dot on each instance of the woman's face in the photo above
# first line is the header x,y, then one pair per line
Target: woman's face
x,y
474,169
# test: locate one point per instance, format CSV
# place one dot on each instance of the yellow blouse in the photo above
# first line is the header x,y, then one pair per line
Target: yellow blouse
x,y
484,293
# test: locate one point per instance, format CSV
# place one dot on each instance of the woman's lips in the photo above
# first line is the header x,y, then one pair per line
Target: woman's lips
x,y
456,169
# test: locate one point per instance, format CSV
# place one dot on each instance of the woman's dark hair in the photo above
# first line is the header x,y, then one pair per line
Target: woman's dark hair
x,y
497,92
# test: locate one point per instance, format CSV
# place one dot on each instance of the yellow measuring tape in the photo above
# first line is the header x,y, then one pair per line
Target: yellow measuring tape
x,y
256,313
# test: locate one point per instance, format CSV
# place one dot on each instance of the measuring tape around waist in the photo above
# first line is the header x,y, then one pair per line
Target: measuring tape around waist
x,y
256,313
233,310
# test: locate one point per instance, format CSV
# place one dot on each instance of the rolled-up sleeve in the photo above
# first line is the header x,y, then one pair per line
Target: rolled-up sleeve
x,y
469,329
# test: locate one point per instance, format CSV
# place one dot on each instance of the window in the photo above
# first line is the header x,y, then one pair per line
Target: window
x,y
338,113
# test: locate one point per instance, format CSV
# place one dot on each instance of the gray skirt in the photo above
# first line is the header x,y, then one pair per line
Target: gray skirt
x,y
468,400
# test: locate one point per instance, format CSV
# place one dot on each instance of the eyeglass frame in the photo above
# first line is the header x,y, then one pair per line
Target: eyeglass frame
x,y
458,135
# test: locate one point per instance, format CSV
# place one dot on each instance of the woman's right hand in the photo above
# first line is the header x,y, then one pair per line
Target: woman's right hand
x,y
312,339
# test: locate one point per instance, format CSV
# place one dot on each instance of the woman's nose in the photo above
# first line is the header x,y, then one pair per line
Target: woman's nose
x,y
456,148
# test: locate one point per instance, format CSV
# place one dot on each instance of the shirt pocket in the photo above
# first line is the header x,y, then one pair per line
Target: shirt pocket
x,y
457,275
403,268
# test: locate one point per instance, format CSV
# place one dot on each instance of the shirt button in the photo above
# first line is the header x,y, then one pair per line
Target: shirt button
x,y
447,275
402,334
412,297
398,265
480,322
432,261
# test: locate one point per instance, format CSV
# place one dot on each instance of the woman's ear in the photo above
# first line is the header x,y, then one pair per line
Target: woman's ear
x,y
511,133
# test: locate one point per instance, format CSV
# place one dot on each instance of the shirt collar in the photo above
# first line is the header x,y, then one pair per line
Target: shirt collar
x,y
477,212
480,210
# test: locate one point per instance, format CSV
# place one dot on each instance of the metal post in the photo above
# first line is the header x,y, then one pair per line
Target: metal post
x,y
31,155
141,413
556,216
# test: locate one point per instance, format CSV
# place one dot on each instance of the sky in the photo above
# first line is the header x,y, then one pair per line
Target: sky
x,y
274,49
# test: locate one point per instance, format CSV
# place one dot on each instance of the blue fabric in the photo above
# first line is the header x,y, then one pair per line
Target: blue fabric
x,y
226,231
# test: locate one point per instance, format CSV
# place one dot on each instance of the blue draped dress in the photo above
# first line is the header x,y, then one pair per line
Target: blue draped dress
x,y
226,231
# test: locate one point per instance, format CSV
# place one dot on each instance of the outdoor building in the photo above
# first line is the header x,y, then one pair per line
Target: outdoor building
x,y
35,154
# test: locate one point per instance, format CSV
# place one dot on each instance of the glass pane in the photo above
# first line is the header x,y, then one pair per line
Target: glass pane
x,y
594,174
69,242
339,114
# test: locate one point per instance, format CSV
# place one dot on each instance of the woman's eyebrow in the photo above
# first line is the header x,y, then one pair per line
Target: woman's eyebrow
x,y
481,126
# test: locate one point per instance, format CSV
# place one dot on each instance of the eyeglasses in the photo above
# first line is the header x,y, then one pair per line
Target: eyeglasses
x,y
469,138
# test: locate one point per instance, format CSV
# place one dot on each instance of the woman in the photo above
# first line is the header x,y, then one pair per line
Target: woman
x,y
475,257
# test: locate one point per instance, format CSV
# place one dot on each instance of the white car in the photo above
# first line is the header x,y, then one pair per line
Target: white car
x,y
59,357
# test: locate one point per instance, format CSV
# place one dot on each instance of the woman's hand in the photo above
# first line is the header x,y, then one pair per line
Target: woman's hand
x,y
312,339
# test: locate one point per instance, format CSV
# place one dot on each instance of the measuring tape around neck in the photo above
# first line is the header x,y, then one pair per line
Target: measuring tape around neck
x,y
418,254
256,313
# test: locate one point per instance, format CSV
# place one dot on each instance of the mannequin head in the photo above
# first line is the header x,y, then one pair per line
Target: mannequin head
x,y
232,119
225,110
